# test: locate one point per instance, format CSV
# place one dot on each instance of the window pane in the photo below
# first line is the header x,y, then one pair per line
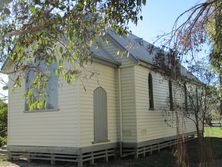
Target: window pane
x,y
150,86
171,95
51,88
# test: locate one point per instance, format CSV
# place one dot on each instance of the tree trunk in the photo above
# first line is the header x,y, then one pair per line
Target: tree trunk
x,y
201,150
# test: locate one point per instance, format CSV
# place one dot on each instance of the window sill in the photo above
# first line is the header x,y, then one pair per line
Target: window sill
x,y
100,142
42,111
152,109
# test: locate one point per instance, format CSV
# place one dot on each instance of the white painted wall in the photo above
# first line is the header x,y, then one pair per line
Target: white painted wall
x,y
128,104
160,122
104,76
54,128
72,124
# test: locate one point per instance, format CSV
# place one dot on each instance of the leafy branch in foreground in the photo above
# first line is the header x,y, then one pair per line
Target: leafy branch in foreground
x,y
61,31
192,30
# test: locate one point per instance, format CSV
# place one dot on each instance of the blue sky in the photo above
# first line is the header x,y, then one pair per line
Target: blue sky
x,y
159,17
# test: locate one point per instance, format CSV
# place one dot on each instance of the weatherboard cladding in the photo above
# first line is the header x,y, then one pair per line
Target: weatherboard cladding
x,y
151,124
59,127
105,78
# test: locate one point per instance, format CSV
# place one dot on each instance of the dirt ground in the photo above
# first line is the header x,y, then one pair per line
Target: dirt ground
x,y
110,164
47,164
38,163
31,164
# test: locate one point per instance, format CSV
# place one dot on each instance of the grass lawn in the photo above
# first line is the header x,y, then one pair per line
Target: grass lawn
x,y
213,132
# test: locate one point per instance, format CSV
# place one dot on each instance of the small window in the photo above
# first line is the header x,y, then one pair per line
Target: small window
x,y
197,99
171,95
185,96
51,87
150,86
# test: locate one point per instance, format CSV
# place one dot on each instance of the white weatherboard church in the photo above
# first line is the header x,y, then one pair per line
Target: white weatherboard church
x,y
118,111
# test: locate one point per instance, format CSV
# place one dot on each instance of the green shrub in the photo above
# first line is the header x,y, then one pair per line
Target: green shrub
x,y
3,141
3,123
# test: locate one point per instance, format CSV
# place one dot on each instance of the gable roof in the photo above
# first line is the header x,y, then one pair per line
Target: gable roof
x,y
102,54
137,48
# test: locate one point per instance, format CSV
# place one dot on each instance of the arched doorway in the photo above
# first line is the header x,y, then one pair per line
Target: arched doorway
x,y
100,115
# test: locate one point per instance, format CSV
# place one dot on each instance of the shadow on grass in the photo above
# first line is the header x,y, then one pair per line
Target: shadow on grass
x,y
166,157
212,149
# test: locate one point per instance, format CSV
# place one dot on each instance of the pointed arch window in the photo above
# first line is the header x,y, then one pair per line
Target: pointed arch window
x,y
197,99
150,86
171,94
185,96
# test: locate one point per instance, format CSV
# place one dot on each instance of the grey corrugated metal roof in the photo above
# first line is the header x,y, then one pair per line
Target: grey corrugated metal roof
x,y
131,44
100,53
140,50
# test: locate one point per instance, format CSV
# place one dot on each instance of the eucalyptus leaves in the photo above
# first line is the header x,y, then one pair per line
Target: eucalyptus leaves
x,y
59,31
